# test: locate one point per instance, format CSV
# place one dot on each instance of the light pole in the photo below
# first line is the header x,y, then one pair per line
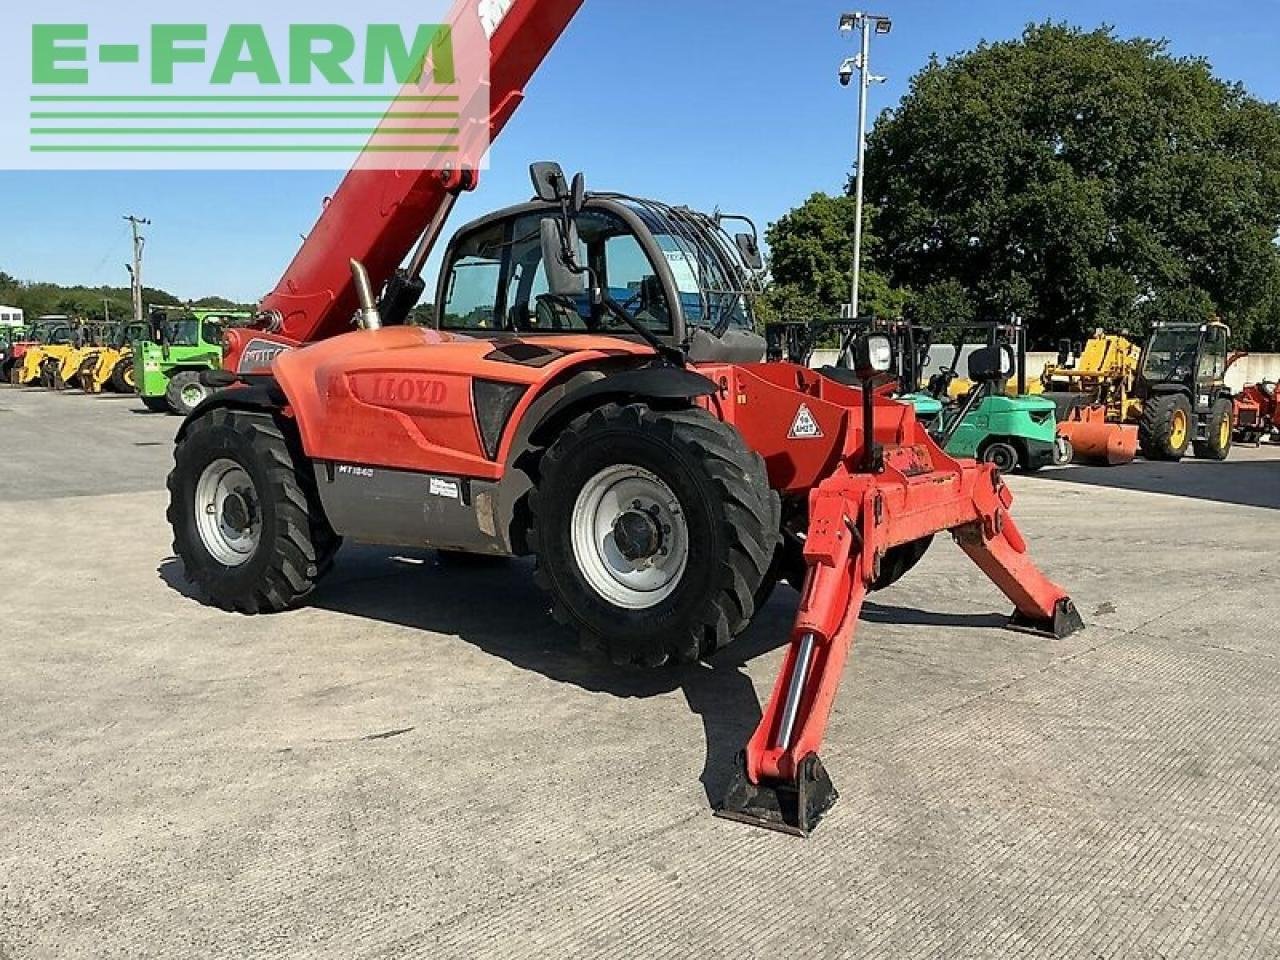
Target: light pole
x,y
866,22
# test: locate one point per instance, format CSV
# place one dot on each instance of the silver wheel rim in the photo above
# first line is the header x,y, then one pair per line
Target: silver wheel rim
x,y
192,394
625,497
228,513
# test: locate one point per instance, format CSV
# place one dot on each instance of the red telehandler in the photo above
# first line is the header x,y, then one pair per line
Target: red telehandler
x,y
593,393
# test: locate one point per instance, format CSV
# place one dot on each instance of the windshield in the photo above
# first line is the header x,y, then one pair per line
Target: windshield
x,y
184,332
1171,355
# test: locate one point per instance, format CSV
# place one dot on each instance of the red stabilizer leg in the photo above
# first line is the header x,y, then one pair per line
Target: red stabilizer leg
x,y
853,519
1041,606
780,782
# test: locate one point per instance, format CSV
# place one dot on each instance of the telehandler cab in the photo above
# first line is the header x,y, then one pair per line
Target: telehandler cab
x,y
594,395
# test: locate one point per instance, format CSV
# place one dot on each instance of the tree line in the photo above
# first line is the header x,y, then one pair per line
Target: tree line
x,y
94,304
1070,177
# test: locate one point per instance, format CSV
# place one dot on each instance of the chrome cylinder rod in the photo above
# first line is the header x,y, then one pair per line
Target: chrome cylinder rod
x,y
795,690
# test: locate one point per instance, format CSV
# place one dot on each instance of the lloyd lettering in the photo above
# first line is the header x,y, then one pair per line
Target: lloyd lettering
x,y
420,391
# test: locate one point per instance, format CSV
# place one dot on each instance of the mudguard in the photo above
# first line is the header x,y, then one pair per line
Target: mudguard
x,y
264,396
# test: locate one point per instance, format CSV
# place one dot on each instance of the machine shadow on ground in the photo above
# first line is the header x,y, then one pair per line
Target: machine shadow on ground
x,y
495,606
1251,483
457,596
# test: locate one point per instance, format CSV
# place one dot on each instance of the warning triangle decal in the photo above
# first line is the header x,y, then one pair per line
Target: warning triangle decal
x,y
804,426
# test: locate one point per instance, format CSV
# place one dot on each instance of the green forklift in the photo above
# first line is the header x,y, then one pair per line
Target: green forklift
x,y
183,345
1014,430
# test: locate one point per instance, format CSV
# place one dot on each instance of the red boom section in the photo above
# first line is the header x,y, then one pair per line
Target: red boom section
x,y
376,216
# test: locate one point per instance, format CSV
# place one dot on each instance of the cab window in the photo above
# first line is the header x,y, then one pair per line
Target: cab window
x,y
471,298
498,280
1213,359
618,262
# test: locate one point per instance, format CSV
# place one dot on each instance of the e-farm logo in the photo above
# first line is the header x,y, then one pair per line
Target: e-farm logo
x,y
126,91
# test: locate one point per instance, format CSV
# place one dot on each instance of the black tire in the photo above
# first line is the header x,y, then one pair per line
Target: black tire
x,y
1157,436
186,392
156,404
1002,454
898,561
729,514
1217,442
295,544
122,378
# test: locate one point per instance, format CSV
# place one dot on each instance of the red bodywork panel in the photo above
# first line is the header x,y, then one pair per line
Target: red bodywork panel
x,y
401,397
376,216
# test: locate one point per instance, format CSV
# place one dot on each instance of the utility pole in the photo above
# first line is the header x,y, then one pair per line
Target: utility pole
x,y
865,22
106,310
135,271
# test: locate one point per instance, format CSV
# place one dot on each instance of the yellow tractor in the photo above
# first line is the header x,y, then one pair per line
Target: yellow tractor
x,y
50,336
1165,398
61,370
111,366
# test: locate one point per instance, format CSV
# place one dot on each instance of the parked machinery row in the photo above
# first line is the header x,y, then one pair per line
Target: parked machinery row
x,y
162,360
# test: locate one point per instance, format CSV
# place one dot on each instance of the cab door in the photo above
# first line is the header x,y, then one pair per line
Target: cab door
x,y
1212,365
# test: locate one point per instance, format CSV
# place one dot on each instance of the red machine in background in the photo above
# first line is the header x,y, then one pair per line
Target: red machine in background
x,y
1257,413
594,395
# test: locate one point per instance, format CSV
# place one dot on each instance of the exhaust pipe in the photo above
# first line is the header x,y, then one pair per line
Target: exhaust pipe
x,y
369,318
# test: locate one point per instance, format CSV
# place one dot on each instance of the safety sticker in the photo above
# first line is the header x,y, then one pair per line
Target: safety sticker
x,y
804,426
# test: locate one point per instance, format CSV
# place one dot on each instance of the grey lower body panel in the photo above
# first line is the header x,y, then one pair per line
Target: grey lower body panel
x,y
406,509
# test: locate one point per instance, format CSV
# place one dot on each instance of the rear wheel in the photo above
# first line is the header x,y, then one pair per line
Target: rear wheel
x,y
1164,432
1003,455
1217,442
246,518
122,376
155,404
653,532
186,392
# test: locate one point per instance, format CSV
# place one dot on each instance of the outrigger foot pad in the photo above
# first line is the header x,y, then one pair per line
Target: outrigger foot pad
x,y
793,808
1064,622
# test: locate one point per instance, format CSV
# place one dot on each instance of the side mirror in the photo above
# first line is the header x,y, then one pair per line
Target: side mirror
x,y
749,249
872,355
991,364
577,194
562,279
549,183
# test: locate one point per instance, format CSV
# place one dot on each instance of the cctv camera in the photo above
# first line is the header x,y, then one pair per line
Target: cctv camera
x,y
846,73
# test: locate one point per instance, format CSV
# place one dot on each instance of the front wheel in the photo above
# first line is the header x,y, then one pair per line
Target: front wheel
x,y
123,379
186,392
653,532
1217,442
1164,432
246,517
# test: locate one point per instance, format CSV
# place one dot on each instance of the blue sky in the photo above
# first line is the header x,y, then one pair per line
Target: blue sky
x,y
729,103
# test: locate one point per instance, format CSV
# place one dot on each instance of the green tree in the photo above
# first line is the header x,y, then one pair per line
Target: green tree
x,y
811,262
1081,180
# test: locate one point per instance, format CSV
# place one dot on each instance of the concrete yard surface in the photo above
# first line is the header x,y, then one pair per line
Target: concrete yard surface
x,y
421,764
